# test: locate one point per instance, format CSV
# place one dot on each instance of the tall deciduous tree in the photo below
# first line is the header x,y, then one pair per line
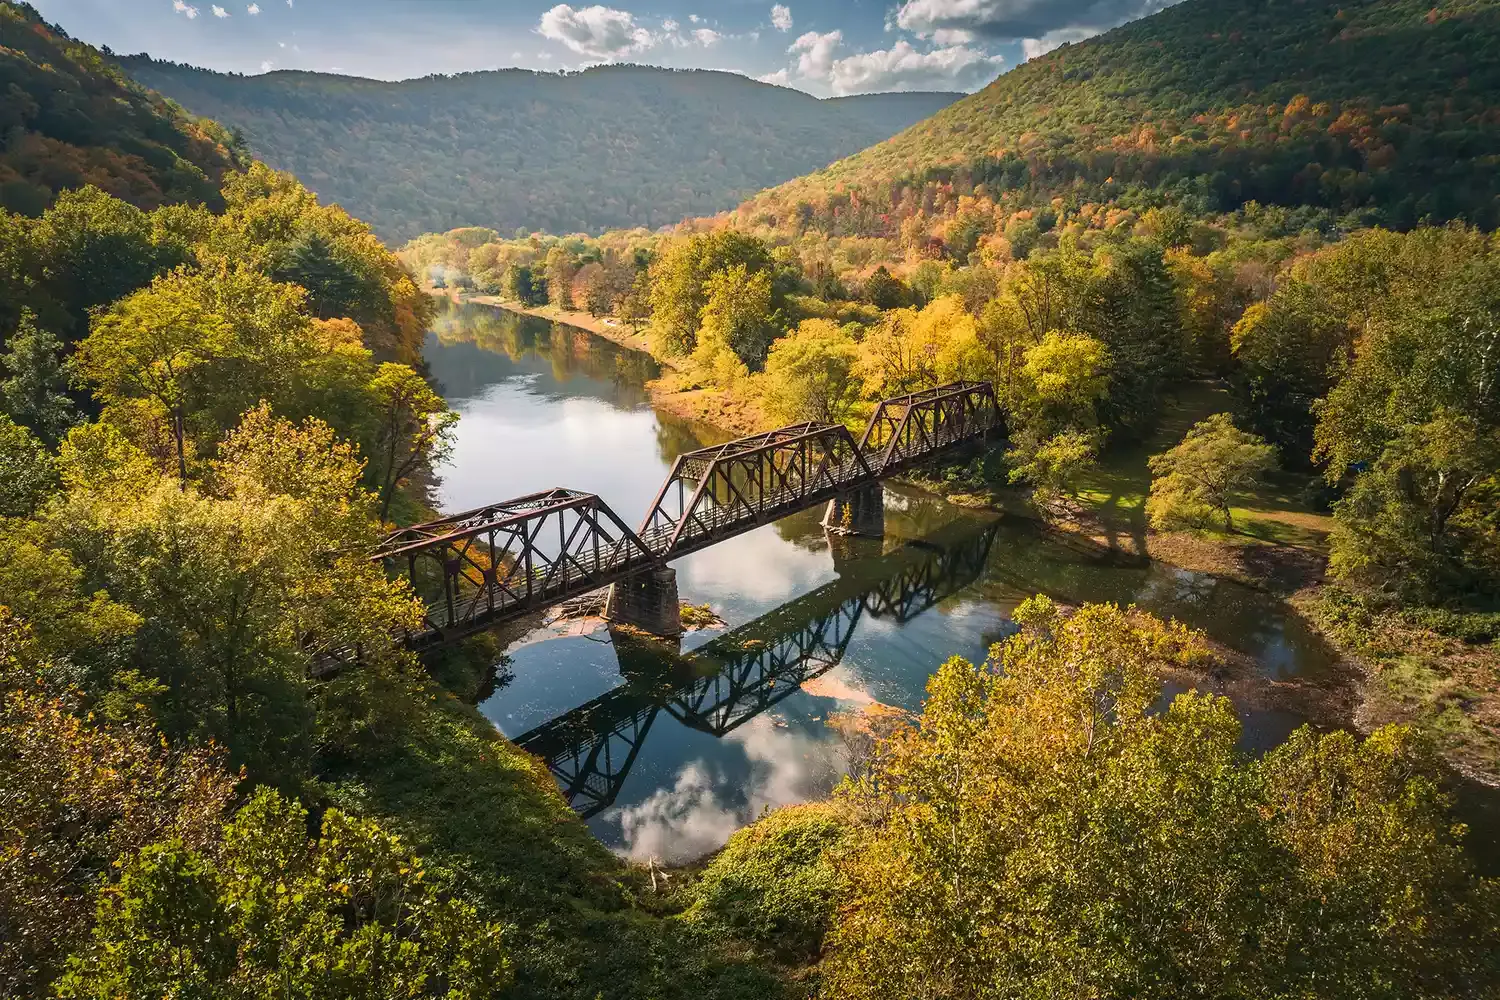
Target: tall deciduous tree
x,y
737,314
1201,475
32,389
248,577
414,429
1418,415
27,475
810,374
81,796
270,913
148,346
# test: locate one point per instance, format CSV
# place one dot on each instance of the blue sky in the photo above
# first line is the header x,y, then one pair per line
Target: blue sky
x,y
825,47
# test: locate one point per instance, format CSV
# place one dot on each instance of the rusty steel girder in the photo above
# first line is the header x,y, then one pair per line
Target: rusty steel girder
x,y
484,565
909,429
714,493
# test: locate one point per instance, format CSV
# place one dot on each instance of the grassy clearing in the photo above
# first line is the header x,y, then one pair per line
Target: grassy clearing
x,y
1279,538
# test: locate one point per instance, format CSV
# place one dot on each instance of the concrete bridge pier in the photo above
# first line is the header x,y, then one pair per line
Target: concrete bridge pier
x,y
647,601
859,512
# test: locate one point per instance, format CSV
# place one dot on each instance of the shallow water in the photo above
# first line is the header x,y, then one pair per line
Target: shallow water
x,y
668,751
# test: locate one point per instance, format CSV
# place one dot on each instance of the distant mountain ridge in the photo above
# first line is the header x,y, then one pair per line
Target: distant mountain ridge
x,y
1381,111
608,148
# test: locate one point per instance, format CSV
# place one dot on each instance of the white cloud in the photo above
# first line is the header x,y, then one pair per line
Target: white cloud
x,y
597,32
1021,19
694,18
185,9
219,11
266,65
780,78
904,67
952,36
781,17
1034,47
670,26
815,53
253,9
707,37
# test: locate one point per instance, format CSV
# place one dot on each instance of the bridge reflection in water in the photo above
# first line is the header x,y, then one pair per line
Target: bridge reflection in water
x,y
728,681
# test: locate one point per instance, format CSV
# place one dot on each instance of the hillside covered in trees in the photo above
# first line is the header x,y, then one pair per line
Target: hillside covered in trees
x,y
611,147
1362,113
69,118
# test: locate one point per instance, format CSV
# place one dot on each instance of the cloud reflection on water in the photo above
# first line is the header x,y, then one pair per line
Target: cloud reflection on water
x,y
703,807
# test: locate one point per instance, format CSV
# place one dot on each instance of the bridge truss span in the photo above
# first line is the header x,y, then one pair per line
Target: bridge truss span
x,y
491,563
909,429
714,493
475,569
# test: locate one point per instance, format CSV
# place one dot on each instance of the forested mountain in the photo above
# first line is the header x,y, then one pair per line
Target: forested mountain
x,y
1371,111
69,118
611,147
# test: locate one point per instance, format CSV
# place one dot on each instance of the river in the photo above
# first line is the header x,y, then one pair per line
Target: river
x,y
669,752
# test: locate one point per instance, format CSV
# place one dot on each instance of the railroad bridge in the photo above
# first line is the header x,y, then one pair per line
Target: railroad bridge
x,y
486,566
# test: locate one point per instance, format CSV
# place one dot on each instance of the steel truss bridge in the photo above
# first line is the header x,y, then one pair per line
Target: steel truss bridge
x,y
482,567
725,683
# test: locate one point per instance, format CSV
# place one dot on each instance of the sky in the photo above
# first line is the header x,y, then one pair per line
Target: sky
x,y
824,47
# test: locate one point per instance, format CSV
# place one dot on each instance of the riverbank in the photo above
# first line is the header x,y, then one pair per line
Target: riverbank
x,y
611,330
674,393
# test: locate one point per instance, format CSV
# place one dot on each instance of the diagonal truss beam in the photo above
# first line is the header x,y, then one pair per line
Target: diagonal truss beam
x,y
479,567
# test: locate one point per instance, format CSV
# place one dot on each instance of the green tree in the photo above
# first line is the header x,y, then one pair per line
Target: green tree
x,y
1055,433
1052,465
1418,410
92,249
522,285
33,390
248,578
1202,474
27,475
414,429
810,374
738,314
1054,832
147,347
679,284
271,914
81,796
884,290
336,283
560,269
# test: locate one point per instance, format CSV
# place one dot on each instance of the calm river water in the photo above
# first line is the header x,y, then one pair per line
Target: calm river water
x,y
669,755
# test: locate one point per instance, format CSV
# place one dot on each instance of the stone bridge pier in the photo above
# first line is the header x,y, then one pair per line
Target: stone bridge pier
x,y
859,512
647,601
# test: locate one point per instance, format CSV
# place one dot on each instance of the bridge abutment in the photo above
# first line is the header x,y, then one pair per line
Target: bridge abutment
x,y
859,512
647,601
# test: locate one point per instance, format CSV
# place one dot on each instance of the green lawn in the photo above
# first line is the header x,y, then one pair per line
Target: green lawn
x,y
1276,513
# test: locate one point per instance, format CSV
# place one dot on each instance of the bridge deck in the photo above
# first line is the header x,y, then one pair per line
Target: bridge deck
x,y
481,567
